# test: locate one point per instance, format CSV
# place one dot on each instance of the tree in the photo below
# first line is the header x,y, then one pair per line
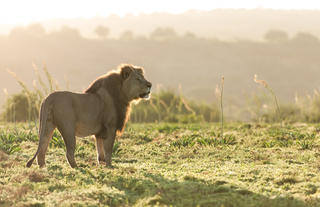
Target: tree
x,y
127,35
36,30
276,36
102,32
68,33
305,38
32,30
190,35
163,34
17,32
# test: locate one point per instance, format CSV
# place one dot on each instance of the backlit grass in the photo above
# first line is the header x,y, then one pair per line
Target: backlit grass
x,y
168,164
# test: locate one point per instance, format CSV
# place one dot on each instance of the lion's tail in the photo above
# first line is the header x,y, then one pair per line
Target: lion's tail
x,y
44,111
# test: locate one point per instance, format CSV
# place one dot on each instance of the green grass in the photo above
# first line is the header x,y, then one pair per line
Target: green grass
x,y
169,164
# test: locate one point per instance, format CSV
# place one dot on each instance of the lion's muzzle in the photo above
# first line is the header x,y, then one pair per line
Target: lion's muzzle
x,y
147,93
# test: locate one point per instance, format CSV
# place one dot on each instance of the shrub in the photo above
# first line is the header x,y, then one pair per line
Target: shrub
x,y
170,107
21,107
288,113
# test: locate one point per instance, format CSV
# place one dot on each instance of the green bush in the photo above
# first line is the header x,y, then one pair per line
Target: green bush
x,y
312,108
168,106
305,109
288,113
21,107
164,106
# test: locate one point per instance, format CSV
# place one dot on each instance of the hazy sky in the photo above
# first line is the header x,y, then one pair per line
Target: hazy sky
x,y
26,11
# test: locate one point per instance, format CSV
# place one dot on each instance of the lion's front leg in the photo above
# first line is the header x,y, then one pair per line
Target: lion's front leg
x,y
100,150
104,144
108,145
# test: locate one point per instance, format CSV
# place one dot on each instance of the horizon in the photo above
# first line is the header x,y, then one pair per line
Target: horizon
x,y
40,11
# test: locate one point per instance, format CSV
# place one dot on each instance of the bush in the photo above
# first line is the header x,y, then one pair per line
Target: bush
x,y
288,113
164,106
21,107
170,107
312,108
306,109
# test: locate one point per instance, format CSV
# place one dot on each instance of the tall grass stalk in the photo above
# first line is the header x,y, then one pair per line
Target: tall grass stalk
x,y
219,93
266,85
42,84
33,96
49,79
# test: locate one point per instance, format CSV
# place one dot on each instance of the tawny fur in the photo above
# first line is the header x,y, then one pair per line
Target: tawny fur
x,y
102,110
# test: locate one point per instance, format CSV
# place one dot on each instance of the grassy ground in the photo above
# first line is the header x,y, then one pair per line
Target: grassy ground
x,y
168,164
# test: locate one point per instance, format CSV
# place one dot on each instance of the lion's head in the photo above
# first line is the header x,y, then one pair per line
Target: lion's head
x,y
123,86
135,86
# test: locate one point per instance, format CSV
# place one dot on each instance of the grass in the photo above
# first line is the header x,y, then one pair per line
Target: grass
x,y
266,85
165,105
169,106
169,165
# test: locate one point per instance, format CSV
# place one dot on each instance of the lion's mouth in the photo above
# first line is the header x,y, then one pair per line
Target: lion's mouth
x,y
146,94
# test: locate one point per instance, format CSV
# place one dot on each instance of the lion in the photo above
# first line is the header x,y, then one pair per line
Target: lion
x,y
102,110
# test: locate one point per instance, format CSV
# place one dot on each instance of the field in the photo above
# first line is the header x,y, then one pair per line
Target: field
x,y
168,165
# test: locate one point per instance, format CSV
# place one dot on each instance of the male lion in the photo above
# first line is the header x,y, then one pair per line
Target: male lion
x,y
102,110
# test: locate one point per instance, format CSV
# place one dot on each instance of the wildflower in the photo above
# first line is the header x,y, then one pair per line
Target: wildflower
x,y
261,82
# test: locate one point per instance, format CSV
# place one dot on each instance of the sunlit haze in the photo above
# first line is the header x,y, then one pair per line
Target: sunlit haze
x,y
24,12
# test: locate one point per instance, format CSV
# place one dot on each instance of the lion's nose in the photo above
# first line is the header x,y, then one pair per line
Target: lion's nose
x,y
149,84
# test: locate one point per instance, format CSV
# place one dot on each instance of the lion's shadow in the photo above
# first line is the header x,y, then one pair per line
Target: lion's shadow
x,y
194,192
129,161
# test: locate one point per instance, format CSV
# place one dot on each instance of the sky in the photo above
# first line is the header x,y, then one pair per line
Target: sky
x,y
28,11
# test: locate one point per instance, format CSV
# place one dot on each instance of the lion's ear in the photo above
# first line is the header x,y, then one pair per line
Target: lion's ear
x,y
125,71
94,86
139,70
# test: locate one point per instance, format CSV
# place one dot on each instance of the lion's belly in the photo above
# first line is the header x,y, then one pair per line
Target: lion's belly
x,y
83,130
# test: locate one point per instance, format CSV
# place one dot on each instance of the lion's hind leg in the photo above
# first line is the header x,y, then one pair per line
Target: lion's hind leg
x,y
45,138
69,138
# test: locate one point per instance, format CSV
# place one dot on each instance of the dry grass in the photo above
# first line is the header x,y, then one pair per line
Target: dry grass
x,y
35,176
3,156
173,164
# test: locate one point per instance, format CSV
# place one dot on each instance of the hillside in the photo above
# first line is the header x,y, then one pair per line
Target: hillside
x,y
289,65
